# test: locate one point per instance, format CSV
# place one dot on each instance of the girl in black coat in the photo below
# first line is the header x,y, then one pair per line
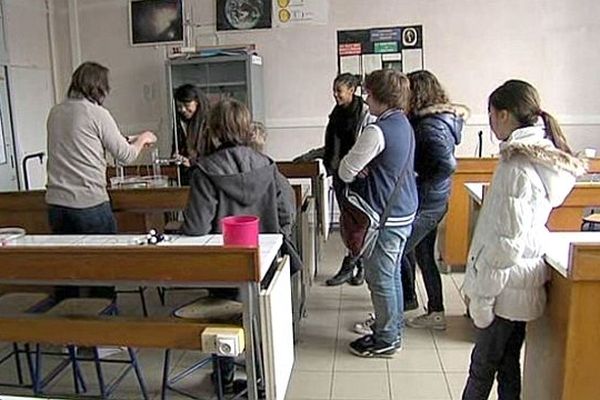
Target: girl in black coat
x,y
346,121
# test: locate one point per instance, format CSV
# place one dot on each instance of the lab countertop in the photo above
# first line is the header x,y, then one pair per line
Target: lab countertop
x,y
269,244
475,190
558,248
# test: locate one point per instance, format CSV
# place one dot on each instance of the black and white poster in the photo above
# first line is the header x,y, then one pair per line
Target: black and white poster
x,y
243,14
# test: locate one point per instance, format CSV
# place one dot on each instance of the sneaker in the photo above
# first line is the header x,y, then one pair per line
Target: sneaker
x,y
368,347
434,320
364,328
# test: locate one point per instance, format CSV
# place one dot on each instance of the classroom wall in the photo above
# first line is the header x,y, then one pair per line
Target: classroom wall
x,y
30,81
472,45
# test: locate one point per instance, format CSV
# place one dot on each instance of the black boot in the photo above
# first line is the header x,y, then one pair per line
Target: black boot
x,y
359,277
344,274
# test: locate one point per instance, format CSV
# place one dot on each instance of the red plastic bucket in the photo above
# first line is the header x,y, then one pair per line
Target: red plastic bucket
x,y
240,230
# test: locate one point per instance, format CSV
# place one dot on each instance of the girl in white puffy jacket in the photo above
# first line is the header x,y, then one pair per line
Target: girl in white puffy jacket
x,y
505,272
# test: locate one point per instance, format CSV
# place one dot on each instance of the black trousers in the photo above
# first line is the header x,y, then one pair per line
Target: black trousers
x,y
496,353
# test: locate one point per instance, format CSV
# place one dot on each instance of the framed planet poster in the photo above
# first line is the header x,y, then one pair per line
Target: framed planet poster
x,y
243,14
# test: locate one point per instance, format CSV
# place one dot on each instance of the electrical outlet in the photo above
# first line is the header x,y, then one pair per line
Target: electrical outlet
x,y
223,341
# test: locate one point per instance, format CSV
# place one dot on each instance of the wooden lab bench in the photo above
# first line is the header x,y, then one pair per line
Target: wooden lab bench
x,y
454,243
139,210
566,218
183,261
562,349
136,210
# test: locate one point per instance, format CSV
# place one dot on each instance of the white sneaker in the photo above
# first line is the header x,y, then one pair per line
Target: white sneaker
x,y
364,328
434,320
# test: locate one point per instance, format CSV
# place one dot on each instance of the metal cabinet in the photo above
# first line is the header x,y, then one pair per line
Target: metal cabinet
x,y
221,76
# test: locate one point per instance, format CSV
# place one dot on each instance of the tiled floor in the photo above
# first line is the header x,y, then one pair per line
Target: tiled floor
x,y
432,365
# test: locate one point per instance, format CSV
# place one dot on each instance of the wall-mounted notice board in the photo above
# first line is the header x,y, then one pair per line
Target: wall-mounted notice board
x,y
365,50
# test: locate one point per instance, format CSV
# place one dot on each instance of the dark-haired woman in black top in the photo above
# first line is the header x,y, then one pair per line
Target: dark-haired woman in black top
x,y
192,108
346,121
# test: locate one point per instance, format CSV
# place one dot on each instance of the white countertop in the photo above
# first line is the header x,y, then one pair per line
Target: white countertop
x,y
269,244
475,190
559,248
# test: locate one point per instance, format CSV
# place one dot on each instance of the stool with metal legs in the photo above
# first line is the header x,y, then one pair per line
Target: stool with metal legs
x,y
87,307
21,303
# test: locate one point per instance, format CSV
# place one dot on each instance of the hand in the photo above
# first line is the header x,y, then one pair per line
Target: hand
x,y
179,159
144,139
148,137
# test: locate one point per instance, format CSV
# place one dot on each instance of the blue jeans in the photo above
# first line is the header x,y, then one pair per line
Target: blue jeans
x,y
92,220
382,273
72,221
420,249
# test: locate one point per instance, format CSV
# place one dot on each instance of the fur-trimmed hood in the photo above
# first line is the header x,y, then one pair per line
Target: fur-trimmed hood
x,y
458,110
556,169
441,117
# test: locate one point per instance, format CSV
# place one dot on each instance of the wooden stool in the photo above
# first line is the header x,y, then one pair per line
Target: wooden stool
x,y
12,304
206,309
87,307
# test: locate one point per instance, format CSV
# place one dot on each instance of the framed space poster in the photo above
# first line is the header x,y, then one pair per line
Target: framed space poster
x,y
154,22
243,14
363,51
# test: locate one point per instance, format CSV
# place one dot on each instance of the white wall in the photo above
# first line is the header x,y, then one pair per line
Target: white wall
x,y
30,82
472,45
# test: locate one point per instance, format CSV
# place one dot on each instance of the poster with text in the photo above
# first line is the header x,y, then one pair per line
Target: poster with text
x,y
362,51
299,12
